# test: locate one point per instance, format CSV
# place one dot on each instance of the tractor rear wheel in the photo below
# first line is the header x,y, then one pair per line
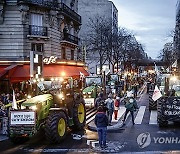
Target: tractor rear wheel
x,y
160,117
79,114
56,127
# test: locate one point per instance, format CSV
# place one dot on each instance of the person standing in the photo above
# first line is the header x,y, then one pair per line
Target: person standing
x,y
98,100
110,107
116,107
131,105
101,122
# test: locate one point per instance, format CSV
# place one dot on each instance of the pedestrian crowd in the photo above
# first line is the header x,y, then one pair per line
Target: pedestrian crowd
x,y
106,108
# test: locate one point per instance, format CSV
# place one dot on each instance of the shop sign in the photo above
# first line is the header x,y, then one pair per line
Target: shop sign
x,y
49,60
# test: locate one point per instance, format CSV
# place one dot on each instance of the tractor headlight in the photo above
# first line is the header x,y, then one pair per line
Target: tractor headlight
x,y
89,96
84,96
23,107
34,108
89,92
61,96
84,93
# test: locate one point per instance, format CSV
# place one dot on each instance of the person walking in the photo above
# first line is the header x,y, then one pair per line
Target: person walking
x,y
101,122
98,100
130,105
110,107
116,107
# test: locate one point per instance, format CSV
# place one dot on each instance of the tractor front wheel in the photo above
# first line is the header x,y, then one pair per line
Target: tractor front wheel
x,y
56,127
79,115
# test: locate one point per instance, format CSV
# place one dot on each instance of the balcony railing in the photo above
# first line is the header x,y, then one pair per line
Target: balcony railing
x,y
54,5
71,38
69,12
37,30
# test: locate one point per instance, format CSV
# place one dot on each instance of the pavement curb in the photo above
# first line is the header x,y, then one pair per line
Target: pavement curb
x,y
117,126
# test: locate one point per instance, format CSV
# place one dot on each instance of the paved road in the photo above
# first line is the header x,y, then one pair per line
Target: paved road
x,y
144,136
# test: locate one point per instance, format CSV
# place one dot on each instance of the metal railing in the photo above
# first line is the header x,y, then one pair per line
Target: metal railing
x,y
69,12
71,38
37,30
53,4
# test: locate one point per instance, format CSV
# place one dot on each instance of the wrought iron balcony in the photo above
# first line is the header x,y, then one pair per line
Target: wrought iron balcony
x,y
54,5
37,30
69,12
70,38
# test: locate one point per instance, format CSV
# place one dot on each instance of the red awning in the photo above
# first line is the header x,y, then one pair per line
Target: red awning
x,y
2,70
17,73
7,70
60,70
21,73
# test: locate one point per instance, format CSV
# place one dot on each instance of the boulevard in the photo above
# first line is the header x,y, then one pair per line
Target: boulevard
x,y
144,136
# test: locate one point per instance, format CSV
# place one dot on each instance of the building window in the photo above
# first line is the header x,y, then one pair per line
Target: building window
x,y
63,53
72,54
36,27
39,47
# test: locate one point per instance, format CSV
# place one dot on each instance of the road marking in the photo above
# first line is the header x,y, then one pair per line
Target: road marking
x,y
89,120
90,110
140,115
153,118
91,114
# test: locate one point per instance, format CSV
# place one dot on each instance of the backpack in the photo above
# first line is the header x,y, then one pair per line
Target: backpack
x,y
129,104
116,103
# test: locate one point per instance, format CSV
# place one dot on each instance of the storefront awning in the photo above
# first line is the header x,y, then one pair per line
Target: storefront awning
x,y
7,70
60,71
21,73
17,73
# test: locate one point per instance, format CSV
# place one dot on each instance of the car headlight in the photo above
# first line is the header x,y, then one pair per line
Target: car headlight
x,y
89,92
84,93
34,107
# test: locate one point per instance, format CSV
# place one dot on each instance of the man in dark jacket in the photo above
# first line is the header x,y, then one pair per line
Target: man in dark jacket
x,y
101,122
99,99
131,106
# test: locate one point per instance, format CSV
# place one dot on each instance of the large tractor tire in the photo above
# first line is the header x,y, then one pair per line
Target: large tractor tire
x,y
152,103
160,117
56,127
79,114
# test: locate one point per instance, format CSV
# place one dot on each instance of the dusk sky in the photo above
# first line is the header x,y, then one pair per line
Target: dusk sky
x,y
150,20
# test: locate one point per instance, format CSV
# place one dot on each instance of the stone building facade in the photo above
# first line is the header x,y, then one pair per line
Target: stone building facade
x,y
89,10
47,26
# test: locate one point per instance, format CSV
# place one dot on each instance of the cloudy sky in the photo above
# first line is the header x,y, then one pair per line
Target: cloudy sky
x,y
150,20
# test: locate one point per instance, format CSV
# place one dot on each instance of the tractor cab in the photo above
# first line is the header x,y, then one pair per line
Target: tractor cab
x,y
112,82
93,86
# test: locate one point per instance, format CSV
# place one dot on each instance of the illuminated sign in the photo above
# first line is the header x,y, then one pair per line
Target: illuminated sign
x,y
49,60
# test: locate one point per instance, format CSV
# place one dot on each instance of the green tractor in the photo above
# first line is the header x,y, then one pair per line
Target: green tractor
x,y
93,86
53,113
